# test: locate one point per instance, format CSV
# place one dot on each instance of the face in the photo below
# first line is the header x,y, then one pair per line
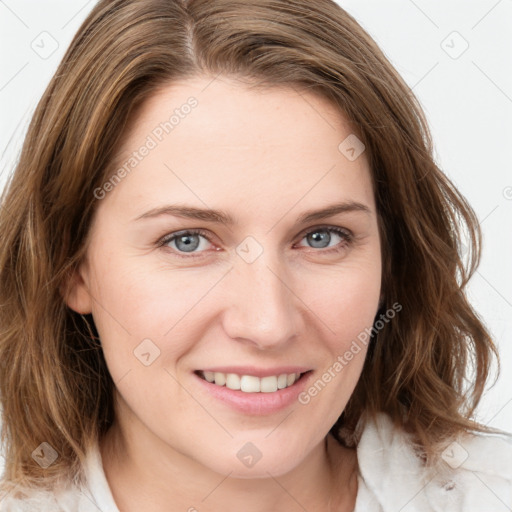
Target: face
x,y
271,291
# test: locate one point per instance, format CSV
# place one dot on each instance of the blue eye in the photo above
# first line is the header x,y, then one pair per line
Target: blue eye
x,y
186,243
319,236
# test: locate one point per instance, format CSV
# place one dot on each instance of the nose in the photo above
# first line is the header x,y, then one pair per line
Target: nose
x,y
262,309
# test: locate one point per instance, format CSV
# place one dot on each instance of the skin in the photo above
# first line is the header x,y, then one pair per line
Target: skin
x,y
265,157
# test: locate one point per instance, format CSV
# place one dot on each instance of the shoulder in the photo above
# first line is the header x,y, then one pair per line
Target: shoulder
x,y
70,499
91,496
474,473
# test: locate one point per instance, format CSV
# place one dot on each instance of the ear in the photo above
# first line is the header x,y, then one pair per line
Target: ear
x,y
75,292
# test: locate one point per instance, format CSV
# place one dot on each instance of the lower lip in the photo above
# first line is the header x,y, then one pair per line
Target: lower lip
x,y
257,403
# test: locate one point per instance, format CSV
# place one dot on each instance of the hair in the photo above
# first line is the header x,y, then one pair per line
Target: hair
x,y
427,368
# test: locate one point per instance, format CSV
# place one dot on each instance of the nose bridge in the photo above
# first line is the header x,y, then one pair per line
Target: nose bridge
x,y
261,305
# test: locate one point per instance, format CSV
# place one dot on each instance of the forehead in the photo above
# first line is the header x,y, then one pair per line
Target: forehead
x,y
220,143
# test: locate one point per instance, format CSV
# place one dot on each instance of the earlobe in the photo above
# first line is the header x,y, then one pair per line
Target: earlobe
x,y
75,293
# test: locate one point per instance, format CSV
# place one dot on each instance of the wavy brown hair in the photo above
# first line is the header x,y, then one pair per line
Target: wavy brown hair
x,y
427,368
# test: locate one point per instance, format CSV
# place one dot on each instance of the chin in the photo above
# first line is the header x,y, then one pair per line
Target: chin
x,y
258,459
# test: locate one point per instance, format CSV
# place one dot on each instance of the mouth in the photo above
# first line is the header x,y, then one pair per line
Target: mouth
x,y
247,383
254,391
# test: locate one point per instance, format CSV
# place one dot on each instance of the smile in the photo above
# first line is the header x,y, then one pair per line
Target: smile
x,y
252,390
251,383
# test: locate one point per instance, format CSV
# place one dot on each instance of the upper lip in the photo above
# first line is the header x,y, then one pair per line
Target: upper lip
x,y
255,371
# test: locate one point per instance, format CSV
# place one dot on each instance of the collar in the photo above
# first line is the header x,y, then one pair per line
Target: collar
x,y
474,471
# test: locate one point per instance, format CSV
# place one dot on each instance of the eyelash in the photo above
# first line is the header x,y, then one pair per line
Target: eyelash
x,y
343,233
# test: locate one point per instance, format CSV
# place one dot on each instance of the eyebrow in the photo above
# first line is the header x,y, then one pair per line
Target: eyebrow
x,y
222,217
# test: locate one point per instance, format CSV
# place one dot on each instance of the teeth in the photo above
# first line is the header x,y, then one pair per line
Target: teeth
x,y
268,384
220,378
233,381
282,381
250,383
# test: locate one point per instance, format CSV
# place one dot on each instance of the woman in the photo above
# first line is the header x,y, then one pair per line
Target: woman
x,y
230,268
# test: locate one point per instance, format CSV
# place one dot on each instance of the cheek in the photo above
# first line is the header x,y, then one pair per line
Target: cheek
x,y
137,302
345,299
345,304
354,306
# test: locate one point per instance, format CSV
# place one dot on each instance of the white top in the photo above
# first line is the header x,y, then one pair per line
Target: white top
x,y
474,475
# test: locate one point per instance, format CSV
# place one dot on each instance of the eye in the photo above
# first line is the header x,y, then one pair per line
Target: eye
x,y
321,237
186,243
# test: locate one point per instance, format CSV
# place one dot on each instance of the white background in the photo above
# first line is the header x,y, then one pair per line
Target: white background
x,y
466,93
